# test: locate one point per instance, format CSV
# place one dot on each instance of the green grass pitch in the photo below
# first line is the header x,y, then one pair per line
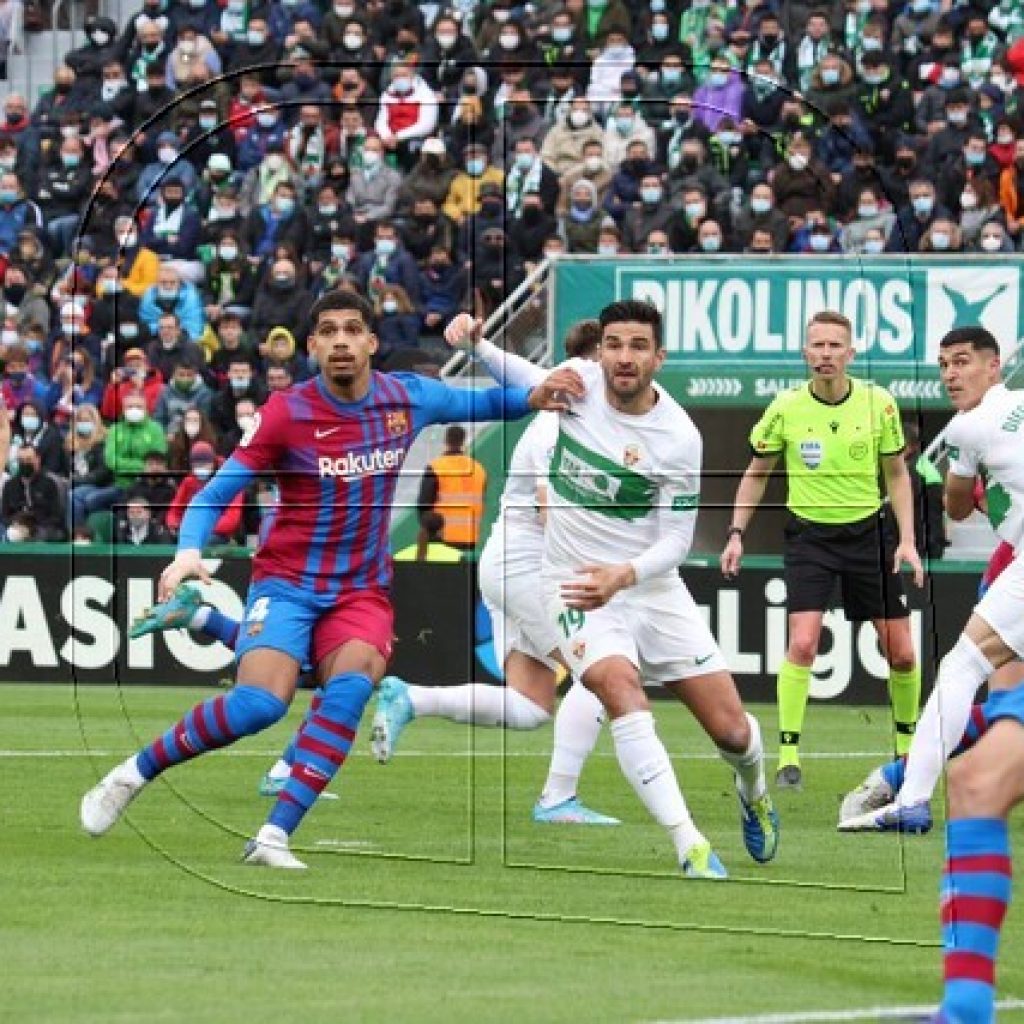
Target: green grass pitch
x,y
432,896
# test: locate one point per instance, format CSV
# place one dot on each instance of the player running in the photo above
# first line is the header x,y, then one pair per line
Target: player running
x,y
624,483
982,439
523,637
320,582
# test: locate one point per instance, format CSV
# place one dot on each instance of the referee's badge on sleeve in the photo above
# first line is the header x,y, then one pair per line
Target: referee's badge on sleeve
x,y
812,453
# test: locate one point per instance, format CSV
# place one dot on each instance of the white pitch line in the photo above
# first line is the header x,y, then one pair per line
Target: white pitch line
x,y
815,1016
843,756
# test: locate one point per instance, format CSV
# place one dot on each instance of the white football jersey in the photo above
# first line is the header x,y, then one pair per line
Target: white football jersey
x,y
614,475
519,528
989,440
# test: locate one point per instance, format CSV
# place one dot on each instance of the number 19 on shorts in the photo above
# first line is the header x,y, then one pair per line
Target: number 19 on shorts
x,y
571,621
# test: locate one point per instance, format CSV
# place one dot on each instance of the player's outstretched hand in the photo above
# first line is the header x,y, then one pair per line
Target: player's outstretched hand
x,y
187,565
732,557
596,585
907,553
465,331
556,392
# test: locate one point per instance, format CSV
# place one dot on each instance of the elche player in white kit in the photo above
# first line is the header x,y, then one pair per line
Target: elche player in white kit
x,y
983,439
524,639
624,483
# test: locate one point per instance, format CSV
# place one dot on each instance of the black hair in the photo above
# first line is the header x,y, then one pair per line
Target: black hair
x,y
455,436
636,311
342,300
980,339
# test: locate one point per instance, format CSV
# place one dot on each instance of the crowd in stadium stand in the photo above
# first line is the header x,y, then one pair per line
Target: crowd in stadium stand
x,y
199,175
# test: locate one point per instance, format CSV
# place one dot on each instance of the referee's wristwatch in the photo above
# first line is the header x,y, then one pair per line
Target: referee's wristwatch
x,y
734,531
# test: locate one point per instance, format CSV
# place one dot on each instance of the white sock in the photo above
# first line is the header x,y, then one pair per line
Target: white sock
x,y
644,762
478,704
749,765
943,719
129,770
200,617
272,835
281,770
578,723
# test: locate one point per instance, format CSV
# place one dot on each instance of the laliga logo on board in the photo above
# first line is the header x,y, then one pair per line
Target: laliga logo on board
x,y
965,297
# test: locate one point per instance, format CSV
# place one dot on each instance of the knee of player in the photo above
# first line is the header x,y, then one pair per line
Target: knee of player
x,y
902,658
256,708
732,733
802,650
523,713
972,788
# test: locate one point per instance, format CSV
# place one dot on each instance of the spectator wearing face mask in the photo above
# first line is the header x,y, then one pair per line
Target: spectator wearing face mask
x,y
388,263
466,194
266,135
203,464
240,385
18,385
971,166
565,143
591,168
130,438
32,494
135,375
169,165
582,222
173,233
979,207
194,426
430,178
64,186
711,238
74,384
397,327
282,300
92,483
230,278
185,390
944,112
818,236
652,214
992,238
914,26
870,218
624,189
30,426
624,129
407,115
803,182
281,221
138,266
259,49
87,60
171,295
31,309
761,213
469,126
943,235
443,290
720,96
16,212
885,102
138,527
914,220
373,188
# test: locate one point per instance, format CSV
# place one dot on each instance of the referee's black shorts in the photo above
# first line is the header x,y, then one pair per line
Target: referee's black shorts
x,y
859,555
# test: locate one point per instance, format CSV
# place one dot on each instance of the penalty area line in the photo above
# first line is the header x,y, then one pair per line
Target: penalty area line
x,y
874,1013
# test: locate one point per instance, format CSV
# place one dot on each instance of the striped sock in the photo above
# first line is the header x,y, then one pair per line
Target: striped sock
x,y
976,728
220,627
321,747
976,887
288,756
215,723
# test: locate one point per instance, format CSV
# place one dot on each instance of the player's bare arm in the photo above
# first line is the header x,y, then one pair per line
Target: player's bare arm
x,y
958,496
749,495
901,495
556,391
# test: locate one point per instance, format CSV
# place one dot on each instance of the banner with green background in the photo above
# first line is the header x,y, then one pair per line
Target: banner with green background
x,y
734,325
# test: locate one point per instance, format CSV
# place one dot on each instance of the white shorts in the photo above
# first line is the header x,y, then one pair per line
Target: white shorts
x,y
1002,607
510,588
658,628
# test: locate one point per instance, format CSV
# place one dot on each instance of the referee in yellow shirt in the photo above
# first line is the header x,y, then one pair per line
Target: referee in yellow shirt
x,y
833,433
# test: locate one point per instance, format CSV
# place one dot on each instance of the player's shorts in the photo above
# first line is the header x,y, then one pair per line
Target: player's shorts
x,y
658,627
1005,704
1001,558
303,624
510,588
1002,607
859,555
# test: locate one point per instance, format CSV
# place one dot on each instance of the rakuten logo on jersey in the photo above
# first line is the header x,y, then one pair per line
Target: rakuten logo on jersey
x,y
353,465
